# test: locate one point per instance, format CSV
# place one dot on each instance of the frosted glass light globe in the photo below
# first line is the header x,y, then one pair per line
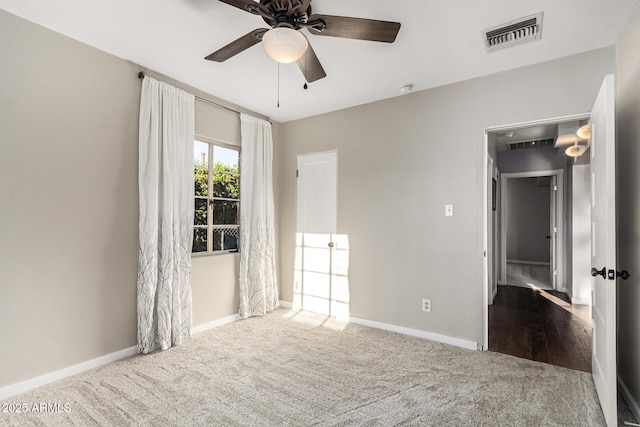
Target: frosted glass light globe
x,y
284,45
575,150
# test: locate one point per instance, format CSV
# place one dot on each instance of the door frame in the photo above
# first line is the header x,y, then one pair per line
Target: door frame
x,y
558,282
485,203
491,249
299,288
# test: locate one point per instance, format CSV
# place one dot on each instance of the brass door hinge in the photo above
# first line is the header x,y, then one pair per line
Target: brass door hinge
x,y
297,173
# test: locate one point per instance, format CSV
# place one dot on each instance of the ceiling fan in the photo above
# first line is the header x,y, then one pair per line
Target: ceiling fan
x,y
286,44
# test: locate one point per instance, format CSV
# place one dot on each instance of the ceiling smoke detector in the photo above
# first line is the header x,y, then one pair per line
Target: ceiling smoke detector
x,y
406,88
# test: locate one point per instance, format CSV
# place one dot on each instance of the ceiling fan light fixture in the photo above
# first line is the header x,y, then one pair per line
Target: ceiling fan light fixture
x,y
584,132
284,45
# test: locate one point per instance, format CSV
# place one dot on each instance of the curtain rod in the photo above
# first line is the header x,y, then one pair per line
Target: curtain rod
x,y
141,76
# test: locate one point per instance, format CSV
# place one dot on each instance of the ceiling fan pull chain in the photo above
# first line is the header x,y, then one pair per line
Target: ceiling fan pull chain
x,y
278,84
306,67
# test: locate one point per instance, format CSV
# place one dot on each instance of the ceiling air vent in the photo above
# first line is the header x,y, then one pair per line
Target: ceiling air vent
x,y
536,143
512,33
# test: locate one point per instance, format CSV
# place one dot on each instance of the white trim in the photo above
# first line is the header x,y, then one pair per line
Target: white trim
x,y
24,386
516,261
285,304
493,294
458,342
215,324
225,144
549,121
579,301
532,174
485,244
633,404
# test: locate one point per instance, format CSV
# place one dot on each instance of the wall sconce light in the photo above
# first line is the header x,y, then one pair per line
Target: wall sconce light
x,y
584,132
575,150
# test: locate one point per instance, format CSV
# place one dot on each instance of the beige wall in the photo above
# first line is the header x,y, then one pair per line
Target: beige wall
x,y
69,203
69,194
628,182
399,162
214,278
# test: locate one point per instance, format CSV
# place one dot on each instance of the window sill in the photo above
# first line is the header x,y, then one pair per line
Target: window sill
x,y
212,254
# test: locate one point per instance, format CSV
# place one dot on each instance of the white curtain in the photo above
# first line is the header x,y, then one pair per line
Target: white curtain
x,y
258,284
165,181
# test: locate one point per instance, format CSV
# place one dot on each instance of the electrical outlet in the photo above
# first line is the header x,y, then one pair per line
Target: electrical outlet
x,y
426,305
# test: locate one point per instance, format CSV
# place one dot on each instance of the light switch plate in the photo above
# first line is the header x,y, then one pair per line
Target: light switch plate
x,y
448,210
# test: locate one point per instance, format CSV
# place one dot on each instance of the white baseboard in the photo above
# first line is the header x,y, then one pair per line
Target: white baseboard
x,y
580,301
21,387
215,324
33,383
517,261
416,333
285,304
634,405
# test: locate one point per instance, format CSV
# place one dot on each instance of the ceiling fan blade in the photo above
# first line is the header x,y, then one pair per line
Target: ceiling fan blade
x,y
355,28
248,6
237,46
302,7
310,65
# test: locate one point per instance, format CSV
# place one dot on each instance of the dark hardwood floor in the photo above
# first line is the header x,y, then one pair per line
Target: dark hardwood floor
x,y
540,325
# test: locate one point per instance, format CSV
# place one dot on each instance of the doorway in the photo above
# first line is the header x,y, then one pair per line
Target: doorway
x,y
322,255
598,138
532,233
532,315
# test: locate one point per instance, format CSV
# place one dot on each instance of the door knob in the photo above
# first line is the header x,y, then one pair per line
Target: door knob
x,y
624,274
595,272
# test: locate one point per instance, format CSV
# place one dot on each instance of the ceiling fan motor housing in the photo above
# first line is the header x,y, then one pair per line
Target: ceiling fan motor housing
x,y
282,18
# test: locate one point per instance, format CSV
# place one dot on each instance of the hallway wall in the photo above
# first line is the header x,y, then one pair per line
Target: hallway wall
x,y
527,219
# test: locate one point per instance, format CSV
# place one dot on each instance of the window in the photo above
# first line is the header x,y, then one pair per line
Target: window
x,y
217,198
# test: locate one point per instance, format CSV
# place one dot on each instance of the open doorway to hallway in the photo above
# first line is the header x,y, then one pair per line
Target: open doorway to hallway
x,y
538,309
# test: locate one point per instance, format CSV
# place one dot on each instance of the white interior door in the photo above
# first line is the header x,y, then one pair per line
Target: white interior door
x,y
603,248
316,229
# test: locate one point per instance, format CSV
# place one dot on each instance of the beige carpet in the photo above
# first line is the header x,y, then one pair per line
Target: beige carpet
x,y
305,370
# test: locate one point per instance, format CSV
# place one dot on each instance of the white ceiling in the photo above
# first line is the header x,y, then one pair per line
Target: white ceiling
x,y
439,43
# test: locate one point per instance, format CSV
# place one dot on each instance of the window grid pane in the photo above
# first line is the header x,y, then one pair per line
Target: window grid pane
x,y
225,238
217,198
